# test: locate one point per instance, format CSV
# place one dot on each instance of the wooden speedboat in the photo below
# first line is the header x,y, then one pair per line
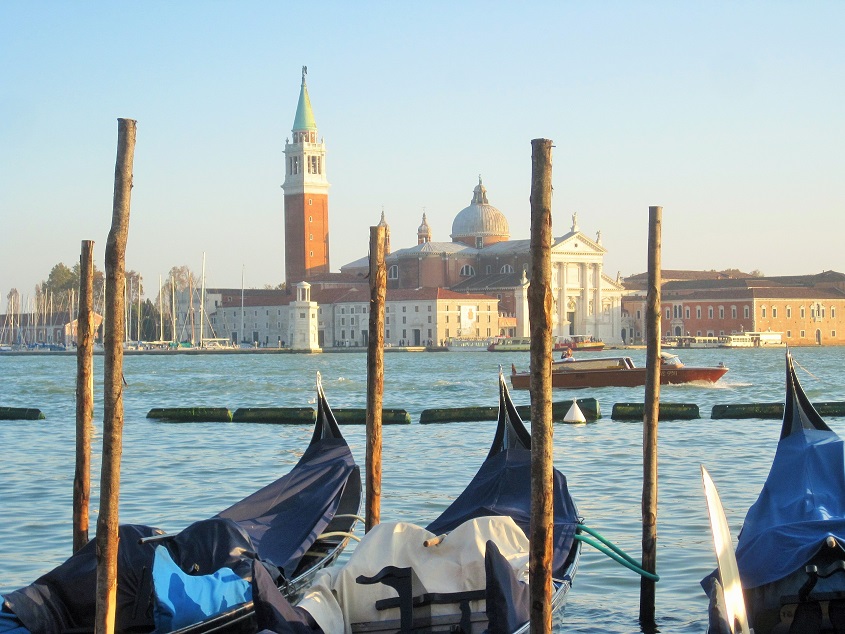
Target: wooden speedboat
x,y
618,372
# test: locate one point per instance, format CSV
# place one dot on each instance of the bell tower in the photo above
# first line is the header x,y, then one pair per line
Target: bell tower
x,y
306,196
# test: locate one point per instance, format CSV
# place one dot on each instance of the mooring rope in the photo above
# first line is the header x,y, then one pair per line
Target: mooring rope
x,y
604,545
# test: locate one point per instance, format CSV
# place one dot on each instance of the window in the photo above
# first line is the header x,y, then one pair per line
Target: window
x,y
429,308
763,312
774,312
788,334
310,236
387,321
697,312
733,312
721,312
638,316
802,315
393,272
802,334
686,312
668,314
416,309
488,269
404,309
429,319
745,312
507,268
387,334
833,333
311,254
343,321
789,312
467,271
833,312
710,312
404,320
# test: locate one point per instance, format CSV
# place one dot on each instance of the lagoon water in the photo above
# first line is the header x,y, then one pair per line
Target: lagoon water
x,y
173,474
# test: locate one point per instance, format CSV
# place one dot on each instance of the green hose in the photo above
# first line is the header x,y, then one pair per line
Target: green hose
x,y
603,545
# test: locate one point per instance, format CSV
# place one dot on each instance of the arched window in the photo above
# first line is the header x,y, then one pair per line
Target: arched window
x,y
507,268
467,271
393,272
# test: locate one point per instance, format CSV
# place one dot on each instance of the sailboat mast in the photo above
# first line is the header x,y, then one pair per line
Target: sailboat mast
x,y
160,312
202,301
191,290
173,307
242,304
138,331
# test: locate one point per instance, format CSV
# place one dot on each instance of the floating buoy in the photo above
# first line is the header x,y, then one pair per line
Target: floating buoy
x,y
275,415
589,407
191,414
21,413
358,416
667,411
574,415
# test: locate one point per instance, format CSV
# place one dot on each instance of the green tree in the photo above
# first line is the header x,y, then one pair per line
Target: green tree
x,y
61,279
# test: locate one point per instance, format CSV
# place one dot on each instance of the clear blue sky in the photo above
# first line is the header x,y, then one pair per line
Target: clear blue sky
x,y
731,115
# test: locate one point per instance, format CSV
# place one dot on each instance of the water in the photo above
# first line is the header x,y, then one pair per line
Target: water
x,y
173,474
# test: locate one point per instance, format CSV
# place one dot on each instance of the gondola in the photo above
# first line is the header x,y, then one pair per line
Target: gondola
x,y
790,552
200,579
464,572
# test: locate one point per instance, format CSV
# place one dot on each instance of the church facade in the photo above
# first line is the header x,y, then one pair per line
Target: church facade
x,y
482,259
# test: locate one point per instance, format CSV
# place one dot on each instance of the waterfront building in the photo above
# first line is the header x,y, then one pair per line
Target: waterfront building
x,y
306,196
482,259
805,309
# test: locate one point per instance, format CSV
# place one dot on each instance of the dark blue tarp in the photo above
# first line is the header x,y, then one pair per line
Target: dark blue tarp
x,y
277,524
502,486
802,502
803,499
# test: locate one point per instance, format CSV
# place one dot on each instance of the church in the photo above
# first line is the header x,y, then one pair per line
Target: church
x,y
482,259
432,286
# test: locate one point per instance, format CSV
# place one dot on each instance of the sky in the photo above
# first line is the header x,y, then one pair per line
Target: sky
x,y
729,115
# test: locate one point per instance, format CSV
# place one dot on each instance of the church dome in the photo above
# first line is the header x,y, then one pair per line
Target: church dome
x,y
480,220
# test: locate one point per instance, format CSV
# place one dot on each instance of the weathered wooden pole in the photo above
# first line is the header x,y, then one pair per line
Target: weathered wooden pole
x,y
540,320
650,419
375,373
107,522
84,395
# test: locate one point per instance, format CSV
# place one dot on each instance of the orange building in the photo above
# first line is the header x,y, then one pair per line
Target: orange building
x,y
306,197
805,309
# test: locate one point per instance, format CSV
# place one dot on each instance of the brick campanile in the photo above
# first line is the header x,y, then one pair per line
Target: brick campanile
x,y
306,196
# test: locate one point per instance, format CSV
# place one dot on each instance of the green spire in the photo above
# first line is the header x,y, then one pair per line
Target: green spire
x,y
304,115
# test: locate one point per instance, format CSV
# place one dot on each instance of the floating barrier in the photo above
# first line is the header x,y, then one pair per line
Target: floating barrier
x,y
358,416
748,410
191,414
275,415
770,410
21,413
588,406
668,411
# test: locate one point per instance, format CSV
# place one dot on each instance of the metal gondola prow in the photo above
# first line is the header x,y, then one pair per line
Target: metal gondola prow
x,y
798,411
327,426
510,430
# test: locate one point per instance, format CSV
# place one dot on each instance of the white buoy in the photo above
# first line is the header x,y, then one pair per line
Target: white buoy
x,y
574,415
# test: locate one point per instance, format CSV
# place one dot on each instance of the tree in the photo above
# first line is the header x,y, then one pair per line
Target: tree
x,y
61,279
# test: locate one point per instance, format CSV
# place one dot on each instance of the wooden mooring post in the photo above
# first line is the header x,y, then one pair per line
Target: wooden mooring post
x,y
107,522
84,395
540,319
375,374
650,420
